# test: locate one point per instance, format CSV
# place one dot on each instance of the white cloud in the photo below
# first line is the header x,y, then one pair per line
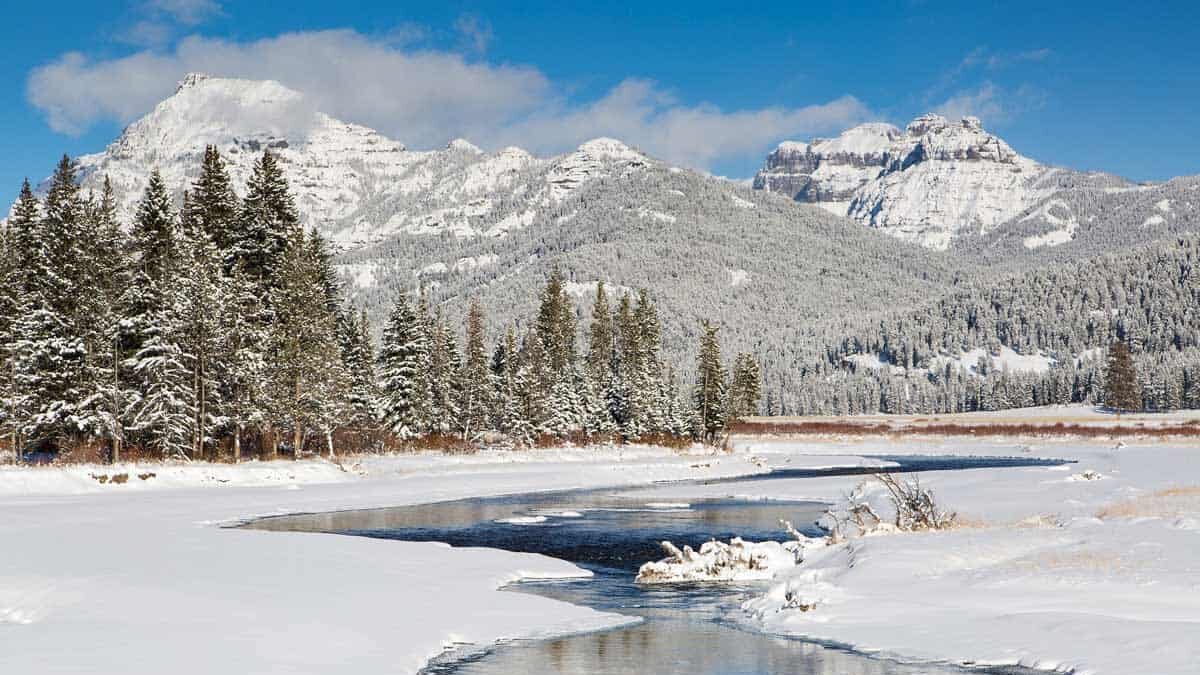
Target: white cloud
x,y
992,104
425,97
476,32
159,20
695,136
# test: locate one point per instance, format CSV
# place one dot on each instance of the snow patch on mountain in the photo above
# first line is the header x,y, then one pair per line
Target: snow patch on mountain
x,y
650,214
1005,359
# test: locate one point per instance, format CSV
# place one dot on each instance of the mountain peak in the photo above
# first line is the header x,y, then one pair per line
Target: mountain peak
x,y
192,80
888,178
463,145
609,148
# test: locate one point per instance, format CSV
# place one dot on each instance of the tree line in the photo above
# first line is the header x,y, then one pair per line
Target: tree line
x,y
220,328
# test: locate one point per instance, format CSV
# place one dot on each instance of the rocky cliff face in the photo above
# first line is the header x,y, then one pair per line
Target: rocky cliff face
x,y
934,181
828,172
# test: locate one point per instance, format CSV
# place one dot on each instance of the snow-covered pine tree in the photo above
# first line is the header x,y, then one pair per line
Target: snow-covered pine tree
x,y
308,381
624,399
530,392
708,393
439,415
162,410
504,365
564,410
745,387
201,305
10,307
652,404
600,338
108,393
50,355
358,358
245,329
403,355
163,414
214,203
267,223
476,378
556,325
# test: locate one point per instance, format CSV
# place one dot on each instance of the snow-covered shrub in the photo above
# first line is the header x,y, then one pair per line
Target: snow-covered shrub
x,y
916,508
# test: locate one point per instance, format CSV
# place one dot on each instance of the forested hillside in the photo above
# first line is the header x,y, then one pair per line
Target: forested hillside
x,y
1047,330
769,271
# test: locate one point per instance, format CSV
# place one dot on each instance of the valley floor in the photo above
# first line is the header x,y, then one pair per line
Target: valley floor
x,y
1090,566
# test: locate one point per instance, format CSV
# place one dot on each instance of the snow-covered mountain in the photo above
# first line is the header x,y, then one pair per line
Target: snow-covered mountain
x,y
933,182
350,182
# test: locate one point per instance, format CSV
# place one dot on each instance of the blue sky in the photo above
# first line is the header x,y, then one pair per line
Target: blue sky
x,y
1110,86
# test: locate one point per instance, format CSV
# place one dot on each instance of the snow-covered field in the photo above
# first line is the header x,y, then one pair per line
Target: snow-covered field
x,y
1091,566
138,577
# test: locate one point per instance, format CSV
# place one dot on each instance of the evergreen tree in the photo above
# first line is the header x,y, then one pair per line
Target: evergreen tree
x,y
50,356
214,203
109,393
556,325
1121,390
402,359
745,387
708,394
477,386
267,224
245,328
309,384
358,358
201,303
600,338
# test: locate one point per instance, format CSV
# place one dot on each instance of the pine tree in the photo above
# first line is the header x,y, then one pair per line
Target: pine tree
x,y
402,359
708,394
308,382
556,325
245,328
267,223
201,303
214,203
745,387
1121,390
109,392
354,337
50,364
164,413
477,386
600,338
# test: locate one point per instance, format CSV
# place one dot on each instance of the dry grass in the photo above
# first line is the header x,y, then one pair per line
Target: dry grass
x,y
1189,429
1169,503
1090,561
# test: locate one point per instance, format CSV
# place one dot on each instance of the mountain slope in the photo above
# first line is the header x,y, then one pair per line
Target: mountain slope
x,y
351,183
770,270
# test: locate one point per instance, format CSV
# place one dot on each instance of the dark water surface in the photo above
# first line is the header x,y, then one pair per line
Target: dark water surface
x,y
611,533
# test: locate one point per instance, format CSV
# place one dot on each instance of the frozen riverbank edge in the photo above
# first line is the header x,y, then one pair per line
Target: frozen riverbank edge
x,y
132,575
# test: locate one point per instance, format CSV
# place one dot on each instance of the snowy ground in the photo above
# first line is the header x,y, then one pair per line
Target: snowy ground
x,y
138,577
1092,567
1057,569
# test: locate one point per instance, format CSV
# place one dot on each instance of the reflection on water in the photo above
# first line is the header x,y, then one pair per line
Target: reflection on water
x,y
612,533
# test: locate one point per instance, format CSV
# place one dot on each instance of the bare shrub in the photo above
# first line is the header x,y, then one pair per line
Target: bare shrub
x,y
916,508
